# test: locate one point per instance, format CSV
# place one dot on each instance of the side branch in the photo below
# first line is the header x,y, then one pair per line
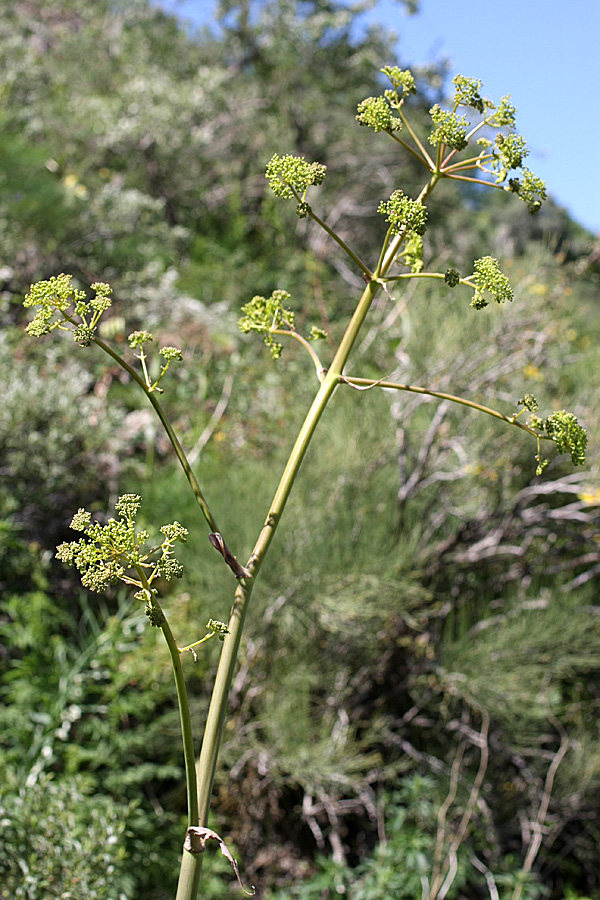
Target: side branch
x,y
175,443
342,243
366,383
218,704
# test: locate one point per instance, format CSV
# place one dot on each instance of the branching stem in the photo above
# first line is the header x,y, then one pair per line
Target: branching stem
x,y
441,395
342,243
216,714
182,698
175,443
306,344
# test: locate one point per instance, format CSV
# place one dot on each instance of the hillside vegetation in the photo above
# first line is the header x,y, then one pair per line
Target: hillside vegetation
x,y
418,686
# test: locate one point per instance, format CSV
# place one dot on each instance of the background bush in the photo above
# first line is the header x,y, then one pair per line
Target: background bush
x,y
422,575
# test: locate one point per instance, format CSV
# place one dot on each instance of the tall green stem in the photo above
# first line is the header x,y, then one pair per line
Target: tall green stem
x,y
207,762
213,729
186,725
182,699
191,864
218,705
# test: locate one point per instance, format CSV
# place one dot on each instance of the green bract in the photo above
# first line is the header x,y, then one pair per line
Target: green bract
x,y
375,113
489,279
291,176
404,214
568,434
450,129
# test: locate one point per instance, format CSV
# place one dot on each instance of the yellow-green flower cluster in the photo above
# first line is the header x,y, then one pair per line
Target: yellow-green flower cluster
x,y
511,150
401,78
568,435
529,402
529,188
291,176
489,279
450,129
403,214
468,93
376,113
62,306
116,552
266,315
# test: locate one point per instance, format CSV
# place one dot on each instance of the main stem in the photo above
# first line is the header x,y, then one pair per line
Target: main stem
x,y
207,762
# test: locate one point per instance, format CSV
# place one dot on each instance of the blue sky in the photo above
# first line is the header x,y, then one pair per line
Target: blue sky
x,y
545,53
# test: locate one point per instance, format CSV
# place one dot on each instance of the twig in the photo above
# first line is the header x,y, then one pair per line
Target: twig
x,y
535,841
494,895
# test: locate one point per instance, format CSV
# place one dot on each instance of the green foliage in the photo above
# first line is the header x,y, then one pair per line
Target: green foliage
x,y
536,653
54,454
60,840
399,866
